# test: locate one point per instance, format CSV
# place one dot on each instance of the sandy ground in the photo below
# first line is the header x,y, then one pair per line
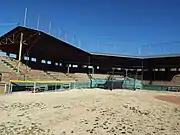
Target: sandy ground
x,y
85,112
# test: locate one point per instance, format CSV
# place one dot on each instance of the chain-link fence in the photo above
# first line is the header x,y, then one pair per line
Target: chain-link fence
x,y
16,85
105,83
116,82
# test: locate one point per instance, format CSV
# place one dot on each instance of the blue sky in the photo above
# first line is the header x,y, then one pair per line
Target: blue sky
x,y
131,27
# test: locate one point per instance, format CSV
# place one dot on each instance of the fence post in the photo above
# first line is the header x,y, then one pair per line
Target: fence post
x,y
34,87
11,86
55,86
5,88
59,85
69,86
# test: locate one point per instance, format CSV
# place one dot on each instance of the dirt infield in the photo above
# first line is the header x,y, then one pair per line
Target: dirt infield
x,y
88,112
169,98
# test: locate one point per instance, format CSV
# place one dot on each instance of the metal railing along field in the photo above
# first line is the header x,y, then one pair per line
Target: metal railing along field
x,y
18,85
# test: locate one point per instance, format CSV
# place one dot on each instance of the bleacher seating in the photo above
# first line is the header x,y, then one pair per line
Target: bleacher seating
x,y
8,73
15,63
38,75
11,71
22,71
80,77
3,68
100,75
60,76
176,79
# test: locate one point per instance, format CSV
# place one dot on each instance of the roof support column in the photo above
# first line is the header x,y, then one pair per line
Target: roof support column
x,y
126,72
20,50
142,70
89,63
68,66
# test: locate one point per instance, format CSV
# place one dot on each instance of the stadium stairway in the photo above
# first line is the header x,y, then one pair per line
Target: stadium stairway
x,y
12,64
8,72
24,71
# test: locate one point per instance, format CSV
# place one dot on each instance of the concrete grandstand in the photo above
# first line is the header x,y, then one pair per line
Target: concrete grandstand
x,y
45,57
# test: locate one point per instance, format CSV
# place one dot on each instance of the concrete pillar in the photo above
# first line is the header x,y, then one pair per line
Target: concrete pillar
x,y
68,66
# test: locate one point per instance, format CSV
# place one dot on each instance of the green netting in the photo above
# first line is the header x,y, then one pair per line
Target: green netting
x,y
113,84
79,85
97,82
126,83
130,83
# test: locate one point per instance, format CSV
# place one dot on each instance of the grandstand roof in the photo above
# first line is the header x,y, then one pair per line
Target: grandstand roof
x,y
31,35
138,57
161,56
41,45
46,47
114,55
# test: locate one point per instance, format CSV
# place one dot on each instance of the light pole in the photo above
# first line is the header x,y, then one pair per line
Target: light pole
x,y
38,23
49,28
25,16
